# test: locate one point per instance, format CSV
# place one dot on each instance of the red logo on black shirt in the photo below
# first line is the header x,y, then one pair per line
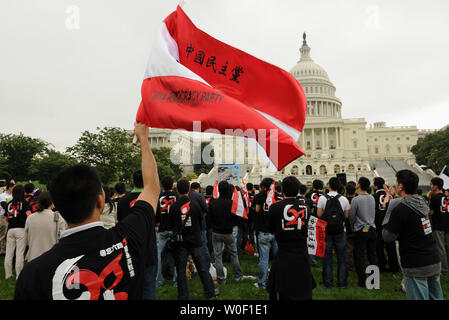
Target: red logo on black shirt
x,y
166,203
292,217
444,205
131,204
87,284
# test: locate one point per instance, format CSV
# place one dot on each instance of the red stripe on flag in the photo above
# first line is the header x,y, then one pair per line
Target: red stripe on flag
x,y
176,102
215,190
259,85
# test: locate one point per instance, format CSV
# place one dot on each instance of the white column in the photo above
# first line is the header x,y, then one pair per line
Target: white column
x,y
337,131
313,139
323,142
326,138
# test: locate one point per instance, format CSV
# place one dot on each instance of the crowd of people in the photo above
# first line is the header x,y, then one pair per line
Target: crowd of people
x,y
82,240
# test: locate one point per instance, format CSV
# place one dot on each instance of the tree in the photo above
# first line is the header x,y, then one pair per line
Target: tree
x,y
207,159
44,168
17,153
166,167
432,150
110,151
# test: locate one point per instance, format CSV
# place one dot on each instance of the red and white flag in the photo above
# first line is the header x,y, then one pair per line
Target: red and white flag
x,y
192,77
245,194
238,207
271,193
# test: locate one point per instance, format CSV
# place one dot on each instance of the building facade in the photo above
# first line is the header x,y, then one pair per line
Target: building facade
x,y
332,144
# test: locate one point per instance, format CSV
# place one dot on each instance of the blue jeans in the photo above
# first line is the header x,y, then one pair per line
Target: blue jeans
x,y
181,256
149,283
220,241
337,242
162,238
266,242
205,248
423,288
235,235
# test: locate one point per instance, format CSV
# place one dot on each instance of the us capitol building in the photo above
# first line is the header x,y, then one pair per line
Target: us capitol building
x,y
332,144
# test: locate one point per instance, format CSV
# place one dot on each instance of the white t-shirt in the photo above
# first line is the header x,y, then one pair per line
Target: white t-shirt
x,y
343,201
4,197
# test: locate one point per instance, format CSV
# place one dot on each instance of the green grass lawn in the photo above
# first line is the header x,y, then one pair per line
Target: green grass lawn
x,y
246,291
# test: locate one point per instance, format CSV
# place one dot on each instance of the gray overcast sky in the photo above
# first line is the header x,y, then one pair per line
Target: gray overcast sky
x,y
387,59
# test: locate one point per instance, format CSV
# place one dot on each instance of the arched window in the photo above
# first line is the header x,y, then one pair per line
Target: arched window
x,y
323,170
355,143
294,170
309,170
336,168
351,168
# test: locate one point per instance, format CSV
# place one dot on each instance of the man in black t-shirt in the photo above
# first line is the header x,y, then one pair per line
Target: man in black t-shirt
x,y
312,200
290,274
266,242
89,261
209,198
124,206
166,199
30,198
249,235
410,223
439,214
314,195
186,218
380,197
222,222
196,196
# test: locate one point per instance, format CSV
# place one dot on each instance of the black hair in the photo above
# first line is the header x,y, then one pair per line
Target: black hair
x,y
249,186
9,185
302,189
195,185
183,186
409,181
266,183
74,191
29,188
44,200
438,182
379,182
290,186
18,194
223,188
108,193
256,186
318,184
138,179
334,183
350,189
364,183
230,191
341,189
419,192
167,183
120,188
278,189
209,190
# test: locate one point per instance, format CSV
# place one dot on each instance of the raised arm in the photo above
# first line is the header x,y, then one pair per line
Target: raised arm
x,y
150,176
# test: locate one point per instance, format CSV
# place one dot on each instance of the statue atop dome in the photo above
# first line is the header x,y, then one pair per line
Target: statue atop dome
x,y
305,49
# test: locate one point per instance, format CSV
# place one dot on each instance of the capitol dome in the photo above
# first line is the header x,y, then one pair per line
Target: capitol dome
x,y
319,90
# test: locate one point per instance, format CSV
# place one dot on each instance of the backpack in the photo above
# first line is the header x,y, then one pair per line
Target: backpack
x,y
333,214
